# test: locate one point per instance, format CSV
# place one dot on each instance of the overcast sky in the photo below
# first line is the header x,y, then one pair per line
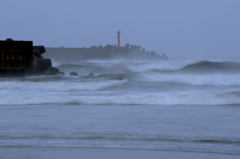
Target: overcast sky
x,y
177,27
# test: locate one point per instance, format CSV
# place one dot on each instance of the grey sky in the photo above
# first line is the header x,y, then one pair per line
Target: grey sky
x,y
177,27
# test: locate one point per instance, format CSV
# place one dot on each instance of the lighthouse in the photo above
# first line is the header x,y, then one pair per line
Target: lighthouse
x,y
118,44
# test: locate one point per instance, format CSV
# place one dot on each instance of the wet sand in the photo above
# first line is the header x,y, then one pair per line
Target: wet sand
x,y
95,153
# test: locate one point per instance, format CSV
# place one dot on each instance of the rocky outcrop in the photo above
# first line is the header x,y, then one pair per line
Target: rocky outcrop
x,y
42,65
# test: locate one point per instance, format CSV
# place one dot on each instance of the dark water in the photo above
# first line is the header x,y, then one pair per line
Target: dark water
x,y
176,105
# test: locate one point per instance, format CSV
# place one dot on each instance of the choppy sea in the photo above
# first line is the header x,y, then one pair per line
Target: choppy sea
x,y
175,105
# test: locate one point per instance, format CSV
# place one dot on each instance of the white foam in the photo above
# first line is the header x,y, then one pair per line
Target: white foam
x,y
195,79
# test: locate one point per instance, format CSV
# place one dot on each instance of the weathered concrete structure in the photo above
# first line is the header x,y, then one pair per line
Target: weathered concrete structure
x,y
22,58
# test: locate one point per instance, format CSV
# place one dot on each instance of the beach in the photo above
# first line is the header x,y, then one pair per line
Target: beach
x,y
94,153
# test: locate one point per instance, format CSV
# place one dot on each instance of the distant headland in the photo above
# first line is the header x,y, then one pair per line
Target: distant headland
x,y
130,52
104,52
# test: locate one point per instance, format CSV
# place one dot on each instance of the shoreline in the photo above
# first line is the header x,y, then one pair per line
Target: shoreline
x,y
103,153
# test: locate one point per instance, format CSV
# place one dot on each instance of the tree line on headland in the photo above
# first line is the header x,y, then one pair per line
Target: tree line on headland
x,y
106,52
126,50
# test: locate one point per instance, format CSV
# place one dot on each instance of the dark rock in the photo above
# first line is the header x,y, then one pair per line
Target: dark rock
x,y
41,65
54,71
91,74
74,74
9,39
40,49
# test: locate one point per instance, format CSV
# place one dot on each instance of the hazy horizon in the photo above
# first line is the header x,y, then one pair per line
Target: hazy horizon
x,y
207,28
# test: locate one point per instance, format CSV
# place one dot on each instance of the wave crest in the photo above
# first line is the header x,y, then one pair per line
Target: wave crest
x,y
209,66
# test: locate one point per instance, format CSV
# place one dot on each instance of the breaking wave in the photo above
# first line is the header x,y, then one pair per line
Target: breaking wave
x,y
120,82
152,105
131,142
129,137
208,66
143,67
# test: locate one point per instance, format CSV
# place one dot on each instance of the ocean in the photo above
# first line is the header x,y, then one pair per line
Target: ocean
x,y
185,104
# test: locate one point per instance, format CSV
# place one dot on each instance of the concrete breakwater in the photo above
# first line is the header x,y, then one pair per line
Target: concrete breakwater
x,y
22,58
130,52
